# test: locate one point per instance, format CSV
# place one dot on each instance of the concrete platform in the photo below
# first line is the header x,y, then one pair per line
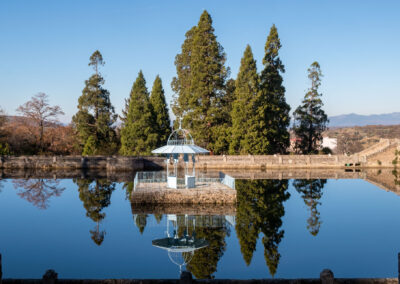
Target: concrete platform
x,y
204,193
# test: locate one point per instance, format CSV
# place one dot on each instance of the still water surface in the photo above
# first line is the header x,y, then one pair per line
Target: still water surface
x,y
87,228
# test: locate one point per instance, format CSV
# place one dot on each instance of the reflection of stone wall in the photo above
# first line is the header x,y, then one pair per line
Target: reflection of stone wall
x,y
213,194
182,209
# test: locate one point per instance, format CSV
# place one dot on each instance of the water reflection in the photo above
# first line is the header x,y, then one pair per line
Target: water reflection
x,y
193,224
260,210
396,175
95,195
38,191
311,192
183,242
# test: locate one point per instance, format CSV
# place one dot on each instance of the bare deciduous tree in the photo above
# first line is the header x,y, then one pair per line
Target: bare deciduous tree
x,y
40,114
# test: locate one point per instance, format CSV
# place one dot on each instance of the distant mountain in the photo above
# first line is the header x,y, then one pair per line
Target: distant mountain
x,y
353,119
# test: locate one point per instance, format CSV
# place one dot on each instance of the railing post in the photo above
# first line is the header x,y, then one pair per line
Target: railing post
x,y
50,277
327,277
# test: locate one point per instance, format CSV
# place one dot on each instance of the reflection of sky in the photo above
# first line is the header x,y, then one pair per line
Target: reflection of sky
x,y
359,237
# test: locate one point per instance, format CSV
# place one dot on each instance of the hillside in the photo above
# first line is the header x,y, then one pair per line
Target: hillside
x,y
358,138
363,120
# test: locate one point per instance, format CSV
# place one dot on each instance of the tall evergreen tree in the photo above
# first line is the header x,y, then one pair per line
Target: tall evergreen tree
x,y
200,83
96,115
310,118
157,100
181,83
244,106
272,124
138,135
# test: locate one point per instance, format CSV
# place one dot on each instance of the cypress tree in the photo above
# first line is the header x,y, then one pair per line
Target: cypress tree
x,y
96,115
138,135
244,109
181,83
163,123
310,118
272,125
200,83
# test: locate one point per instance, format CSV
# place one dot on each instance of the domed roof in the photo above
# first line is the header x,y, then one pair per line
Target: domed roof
x,y
180,142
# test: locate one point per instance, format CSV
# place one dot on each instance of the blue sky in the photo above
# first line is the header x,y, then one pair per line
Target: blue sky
x,y
45,47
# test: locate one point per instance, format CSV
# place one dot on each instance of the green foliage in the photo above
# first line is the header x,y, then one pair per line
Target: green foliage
x,y
139,132
90,146
244,108
273,119
310,118
260,210
200,86
5,149
311,192
163,123
96,115
396,158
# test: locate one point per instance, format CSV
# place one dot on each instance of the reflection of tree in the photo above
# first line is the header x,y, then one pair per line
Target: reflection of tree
x,y
311,192
95,195
128,186
141,222
260,209
158,218
204,262
38,191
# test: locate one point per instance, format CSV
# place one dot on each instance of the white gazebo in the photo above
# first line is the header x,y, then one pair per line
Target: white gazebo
x,y
180,142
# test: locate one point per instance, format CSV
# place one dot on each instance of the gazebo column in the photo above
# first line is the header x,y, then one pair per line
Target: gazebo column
x,y
193,161
190,180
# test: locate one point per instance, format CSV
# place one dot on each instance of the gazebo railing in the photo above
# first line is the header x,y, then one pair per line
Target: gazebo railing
x,y
179,142
158,180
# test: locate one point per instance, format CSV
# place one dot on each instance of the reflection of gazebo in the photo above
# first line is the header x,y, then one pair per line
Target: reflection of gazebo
x,y
180,249
180,142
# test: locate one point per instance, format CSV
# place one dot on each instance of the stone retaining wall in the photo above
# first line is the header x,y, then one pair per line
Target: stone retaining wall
x,y
276,161
121,163
110,163
261,162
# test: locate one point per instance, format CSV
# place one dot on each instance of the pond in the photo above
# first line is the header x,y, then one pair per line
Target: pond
x,y
282,228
